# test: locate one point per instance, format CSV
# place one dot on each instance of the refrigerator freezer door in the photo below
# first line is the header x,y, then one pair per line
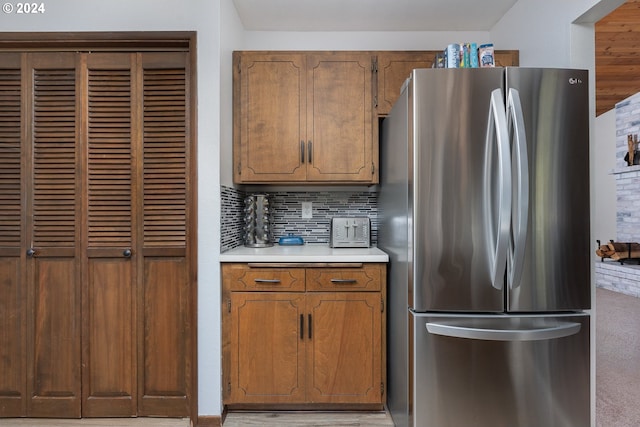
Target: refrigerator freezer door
x,y
502,371
453,259
555,259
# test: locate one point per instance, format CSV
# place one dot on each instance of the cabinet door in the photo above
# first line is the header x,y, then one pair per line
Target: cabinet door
x,y
339,117
267,341
344,362
393,69
507,58
53,234
270,130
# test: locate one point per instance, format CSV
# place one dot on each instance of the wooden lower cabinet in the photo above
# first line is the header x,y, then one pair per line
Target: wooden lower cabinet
x,y
304,337
268,347
343,351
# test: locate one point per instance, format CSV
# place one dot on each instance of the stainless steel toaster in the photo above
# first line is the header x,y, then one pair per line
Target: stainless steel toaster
x,y
350,232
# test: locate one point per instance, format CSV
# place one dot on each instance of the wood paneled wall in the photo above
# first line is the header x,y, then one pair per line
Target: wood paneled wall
x,y
617,55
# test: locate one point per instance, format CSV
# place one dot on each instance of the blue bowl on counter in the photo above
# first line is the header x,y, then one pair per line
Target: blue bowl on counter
x,y
290,240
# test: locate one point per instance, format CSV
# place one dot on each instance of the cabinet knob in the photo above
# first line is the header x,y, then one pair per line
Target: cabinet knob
x,y
31,252
127,253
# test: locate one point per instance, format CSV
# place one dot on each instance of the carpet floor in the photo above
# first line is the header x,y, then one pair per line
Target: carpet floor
x,y
617,359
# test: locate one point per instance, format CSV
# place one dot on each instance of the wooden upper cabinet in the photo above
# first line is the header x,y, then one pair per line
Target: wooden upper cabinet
x,y
506,58
303,117
310,117
270,131
339,118
394,67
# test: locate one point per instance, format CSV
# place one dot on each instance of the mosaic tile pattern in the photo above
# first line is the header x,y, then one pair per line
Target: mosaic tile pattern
x,y
325,205
232,205
287,214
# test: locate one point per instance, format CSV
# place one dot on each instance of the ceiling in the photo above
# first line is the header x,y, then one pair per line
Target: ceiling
x,y
371,15
617,57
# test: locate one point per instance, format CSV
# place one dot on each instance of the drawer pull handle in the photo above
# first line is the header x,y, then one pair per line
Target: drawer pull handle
x,y
343,281
266,280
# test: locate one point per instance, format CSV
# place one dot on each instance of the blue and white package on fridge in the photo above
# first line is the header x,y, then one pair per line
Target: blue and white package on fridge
x,y
485,52
473,55
452,56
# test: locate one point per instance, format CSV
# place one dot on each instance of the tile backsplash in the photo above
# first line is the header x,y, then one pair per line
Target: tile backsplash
x,y
287,208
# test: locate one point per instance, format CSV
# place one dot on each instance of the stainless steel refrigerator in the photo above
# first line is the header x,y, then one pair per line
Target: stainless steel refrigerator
x,y
484,212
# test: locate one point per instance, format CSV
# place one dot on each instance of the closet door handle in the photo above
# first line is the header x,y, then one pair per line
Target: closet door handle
x,y
302,326
31,252
126,253
310,323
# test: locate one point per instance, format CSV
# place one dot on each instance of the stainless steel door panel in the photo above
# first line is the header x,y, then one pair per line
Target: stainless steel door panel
x,y
393,236
451,269
556,269
526,380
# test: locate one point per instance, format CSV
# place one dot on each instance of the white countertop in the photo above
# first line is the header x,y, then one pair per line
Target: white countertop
x,y
309,252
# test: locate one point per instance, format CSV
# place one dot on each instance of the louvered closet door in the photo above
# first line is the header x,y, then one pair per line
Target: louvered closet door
x,y
53,237
164,328
95,208
12,292
109,293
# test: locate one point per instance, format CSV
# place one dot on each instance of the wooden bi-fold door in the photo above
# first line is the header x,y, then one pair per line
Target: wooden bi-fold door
x,y
53,233
94,234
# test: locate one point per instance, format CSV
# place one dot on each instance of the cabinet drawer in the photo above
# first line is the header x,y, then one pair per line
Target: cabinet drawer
x,y
365,278
241,277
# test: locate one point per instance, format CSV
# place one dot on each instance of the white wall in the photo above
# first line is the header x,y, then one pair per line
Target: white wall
x,y
232,35
542,29
359,40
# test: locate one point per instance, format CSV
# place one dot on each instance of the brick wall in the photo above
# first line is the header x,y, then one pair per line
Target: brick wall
x,y
627,177
611,274
620,278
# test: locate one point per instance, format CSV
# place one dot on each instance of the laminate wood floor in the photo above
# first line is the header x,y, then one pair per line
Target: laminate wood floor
x,y
95,422
308,419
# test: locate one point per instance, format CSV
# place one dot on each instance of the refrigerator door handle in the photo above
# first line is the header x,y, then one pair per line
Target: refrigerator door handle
x,y
498,239
520,209
560,330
